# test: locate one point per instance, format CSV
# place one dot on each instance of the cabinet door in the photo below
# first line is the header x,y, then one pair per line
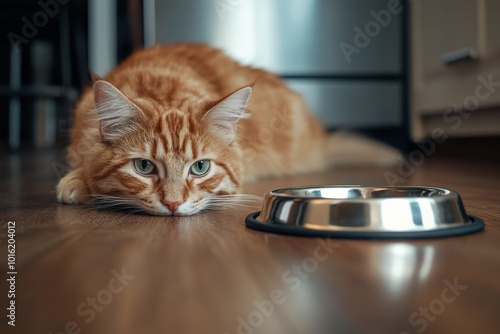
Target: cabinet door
x,y
491,27
448,25
438,28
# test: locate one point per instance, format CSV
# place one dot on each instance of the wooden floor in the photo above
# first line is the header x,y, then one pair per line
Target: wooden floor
x,y
85,271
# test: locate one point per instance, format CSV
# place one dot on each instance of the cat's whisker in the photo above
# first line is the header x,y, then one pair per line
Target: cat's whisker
x,y
238,197
114,203
233,202
225,207
221,202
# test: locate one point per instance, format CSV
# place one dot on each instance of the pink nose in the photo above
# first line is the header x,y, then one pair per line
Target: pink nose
x,y
172,206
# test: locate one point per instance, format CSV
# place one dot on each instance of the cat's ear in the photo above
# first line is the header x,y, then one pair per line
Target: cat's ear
x,y
225,114
117,115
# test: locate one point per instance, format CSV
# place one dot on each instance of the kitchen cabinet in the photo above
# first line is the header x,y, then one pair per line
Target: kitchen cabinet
x,y
455,67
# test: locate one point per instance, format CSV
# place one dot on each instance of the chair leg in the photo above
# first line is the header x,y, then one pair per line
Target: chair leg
x,y
66,70
15,101
80,42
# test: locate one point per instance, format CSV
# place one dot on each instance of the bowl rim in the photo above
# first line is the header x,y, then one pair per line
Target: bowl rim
x,y
279,192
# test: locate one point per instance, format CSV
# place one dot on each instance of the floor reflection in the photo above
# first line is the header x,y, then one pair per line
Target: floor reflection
x,y
401,265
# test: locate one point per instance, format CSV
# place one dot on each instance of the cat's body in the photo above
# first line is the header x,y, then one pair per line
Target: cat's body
x,y
181,108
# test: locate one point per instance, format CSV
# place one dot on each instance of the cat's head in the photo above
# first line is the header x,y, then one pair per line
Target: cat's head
x,y
163,160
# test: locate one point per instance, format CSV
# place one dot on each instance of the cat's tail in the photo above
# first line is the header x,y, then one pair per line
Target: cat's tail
x,y
350,149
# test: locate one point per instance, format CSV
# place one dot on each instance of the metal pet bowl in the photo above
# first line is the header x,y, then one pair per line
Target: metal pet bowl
x,y
364,212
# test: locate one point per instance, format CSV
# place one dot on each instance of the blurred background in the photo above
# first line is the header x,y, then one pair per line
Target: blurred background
x,y
390,69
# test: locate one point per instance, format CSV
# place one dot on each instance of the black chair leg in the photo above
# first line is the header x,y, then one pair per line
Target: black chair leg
x,y
66,70
15,101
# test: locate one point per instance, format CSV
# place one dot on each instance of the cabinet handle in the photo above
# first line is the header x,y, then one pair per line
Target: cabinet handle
x,y
456,56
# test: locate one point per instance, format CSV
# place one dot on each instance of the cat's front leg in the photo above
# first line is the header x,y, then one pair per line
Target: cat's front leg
x,y
72,188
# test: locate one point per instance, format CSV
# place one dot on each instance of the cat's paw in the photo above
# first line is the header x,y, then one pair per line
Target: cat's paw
x,y
72,189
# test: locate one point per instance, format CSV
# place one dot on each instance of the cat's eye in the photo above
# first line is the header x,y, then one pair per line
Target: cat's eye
x,y
200,168
144,167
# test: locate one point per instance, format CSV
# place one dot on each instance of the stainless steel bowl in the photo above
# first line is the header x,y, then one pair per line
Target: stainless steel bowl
x,y
364,212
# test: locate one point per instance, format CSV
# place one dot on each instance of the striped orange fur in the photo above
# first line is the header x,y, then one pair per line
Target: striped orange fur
x,y
172,109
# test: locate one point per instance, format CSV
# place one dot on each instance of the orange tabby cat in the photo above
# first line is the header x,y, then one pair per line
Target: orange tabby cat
x,y
176,129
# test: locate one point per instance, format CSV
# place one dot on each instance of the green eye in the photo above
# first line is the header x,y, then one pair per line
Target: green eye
x,y
200,168
144,167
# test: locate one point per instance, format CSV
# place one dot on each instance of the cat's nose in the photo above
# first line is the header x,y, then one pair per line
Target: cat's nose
x,y
172,206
